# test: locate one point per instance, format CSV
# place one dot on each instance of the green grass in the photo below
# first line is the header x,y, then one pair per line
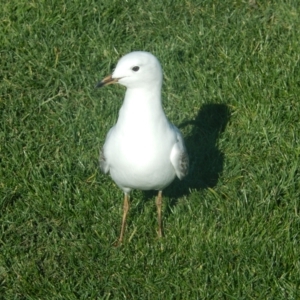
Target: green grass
x,y
232,85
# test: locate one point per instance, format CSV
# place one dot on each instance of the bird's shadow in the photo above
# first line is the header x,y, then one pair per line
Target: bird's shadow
x,y
206,159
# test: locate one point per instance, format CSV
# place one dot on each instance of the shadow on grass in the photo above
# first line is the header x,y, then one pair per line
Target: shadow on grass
x,y
206,160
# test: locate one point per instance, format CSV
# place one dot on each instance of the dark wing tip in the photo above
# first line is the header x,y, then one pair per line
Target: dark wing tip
x,y
99,84
102,162
184,165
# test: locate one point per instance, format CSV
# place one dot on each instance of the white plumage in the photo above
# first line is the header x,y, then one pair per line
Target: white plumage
x,y
143,150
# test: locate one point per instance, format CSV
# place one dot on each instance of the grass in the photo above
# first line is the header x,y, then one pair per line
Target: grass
x,y
232,86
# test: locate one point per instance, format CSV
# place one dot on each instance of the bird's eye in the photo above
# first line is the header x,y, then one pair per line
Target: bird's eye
x,y
135,69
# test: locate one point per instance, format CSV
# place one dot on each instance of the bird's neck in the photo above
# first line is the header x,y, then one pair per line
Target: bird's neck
x,y
139,101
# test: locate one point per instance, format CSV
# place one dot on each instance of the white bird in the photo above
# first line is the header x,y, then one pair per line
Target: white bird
x,y
143,150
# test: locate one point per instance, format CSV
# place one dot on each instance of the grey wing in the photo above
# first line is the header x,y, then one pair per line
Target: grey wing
x,y
103,163
179,156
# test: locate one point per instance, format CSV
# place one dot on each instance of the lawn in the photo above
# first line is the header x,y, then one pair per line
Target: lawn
x,y
232,86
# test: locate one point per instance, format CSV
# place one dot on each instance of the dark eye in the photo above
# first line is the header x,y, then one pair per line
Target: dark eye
x,y
135,69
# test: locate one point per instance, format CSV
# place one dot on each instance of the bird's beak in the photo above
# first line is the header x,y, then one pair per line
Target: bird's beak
x,y
106,81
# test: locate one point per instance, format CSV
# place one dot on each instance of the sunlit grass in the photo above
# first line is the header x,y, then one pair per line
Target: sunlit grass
x,y
231,84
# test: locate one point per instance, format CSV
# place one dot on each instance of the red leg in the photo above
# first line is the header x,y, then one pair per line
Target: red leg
x,y
158,205
125,211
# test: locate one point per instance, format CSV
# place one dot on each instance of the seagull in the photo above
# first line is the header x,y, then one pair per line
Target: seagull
x,y
143,150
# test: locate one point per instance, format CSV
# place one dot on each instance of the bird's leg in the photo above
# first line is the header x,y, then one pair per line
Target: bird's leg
x,y
125,211
158,205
